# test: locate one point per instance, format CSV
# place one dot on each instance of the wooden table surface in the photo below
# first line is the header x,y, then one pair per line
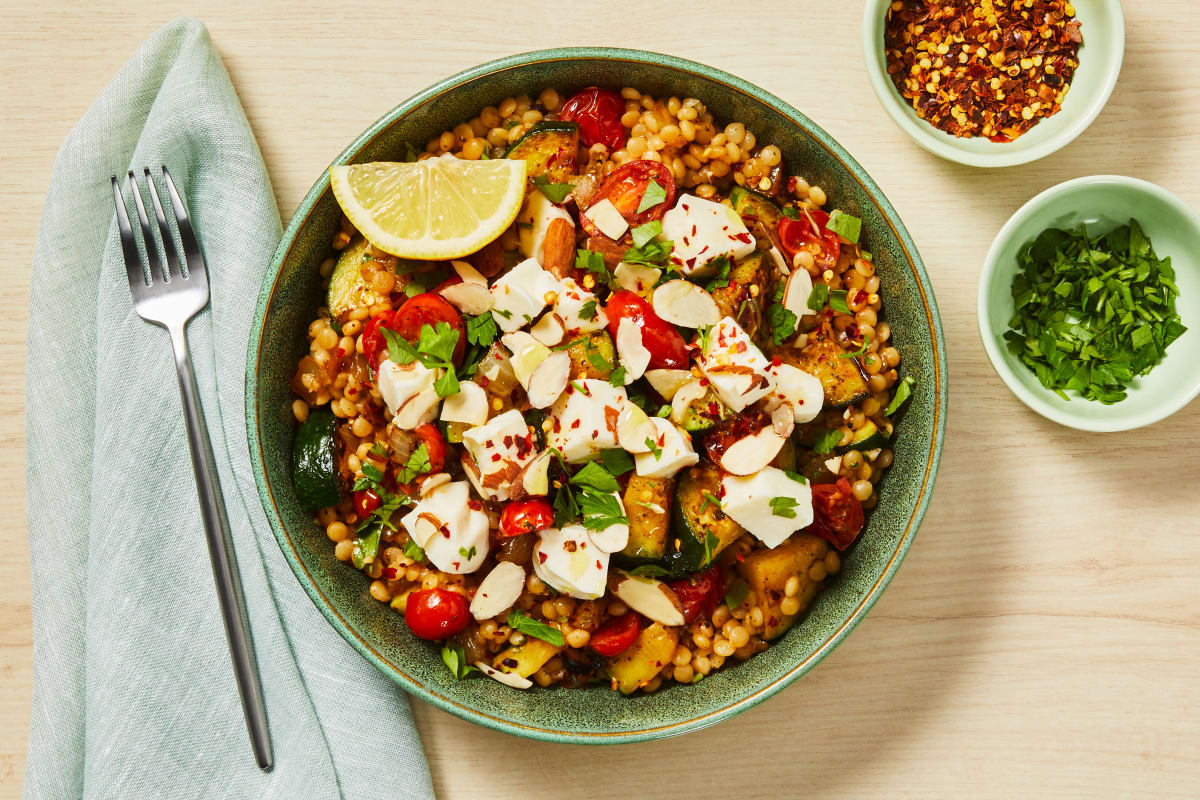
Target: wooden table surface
x,y
1043,636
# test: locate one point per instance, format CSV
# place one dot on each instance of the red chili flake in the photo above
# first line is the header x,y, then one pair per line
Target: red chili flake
x,y
541,557
599,565
389,573
495,456
575,424
861,297
741,237
474,505
982,67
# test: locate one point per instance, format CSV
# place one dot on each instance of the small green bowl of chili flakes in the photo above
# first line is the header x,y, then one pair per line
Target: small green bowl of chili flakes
x,y
993,83
1103,271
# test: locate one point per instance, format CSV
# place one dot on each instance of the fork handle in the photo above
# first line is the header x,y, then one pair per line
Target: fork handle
x,y
220,550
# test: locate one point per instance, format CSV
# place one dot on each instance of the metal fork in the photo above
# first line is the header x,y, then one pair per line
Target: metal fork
x,y
170,299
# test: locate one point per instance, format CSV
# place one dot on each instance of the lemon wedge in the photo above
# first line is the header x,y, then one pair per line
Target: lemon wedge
x,y
435,209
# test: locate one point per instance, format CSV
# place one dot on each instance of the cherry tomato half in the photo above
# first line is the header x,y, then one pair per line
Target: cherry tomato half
x,y
615,636
374,345
598,114
366,501
436,613
667,348
701,592
526,516
435,446
798,234
837,513
428,309
624,189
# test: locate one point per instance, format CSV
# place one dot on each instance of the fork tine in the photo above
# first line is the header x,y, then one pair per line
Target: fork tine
x,y
133,260
152,255
170,252
191,247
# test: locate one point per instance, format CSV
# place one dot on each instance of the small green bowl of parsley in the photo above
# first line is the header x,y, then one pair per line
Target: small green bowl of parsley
x,y
1089,303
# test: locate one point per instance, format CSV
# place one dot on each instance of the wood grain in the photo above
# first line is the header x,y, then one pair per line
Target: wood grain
x,y
1042,637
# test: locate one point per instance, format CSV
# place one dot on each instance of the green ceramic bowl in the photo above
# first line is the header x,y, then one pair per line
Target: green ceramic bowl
x,y
292,291
1102,202
1100,58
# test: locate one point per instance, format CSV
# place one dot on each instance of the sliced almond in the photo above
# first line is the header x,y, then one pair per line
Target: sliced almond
x,y
684,303
649,597
634,429
469,298
687,394
780,262
417,410
549,379
470,405
751,453
507,678
634,355
498,591
612,539
834,464
468,273
534,478
549,330
796,292
783,420
527,354
667,381
558,248
431,483
637,278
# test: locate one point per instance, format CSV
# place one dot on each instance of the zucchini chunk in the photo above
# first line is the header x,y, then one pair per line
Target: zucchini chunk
x,y
548,149
737,300
347,287
704,414
868,437
644,659
841,375
314,462
695,516
594,357
767,572
525,659
648,504
754,207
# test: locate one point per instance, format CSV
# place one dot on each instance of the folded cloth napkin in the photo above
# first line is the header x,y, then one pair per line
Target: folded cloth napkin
x,y
134,694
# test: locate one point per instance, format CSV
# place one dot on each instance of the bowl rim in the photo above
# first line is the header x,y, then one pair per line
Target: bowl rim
x,y
740,703
950,147
1035,399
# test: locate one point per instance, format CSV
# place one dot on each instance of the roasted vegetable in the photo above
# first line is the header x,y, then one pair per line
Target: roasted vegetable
x,y
525,659
637,666
648,505
840,374
549,149
594,357
705,413
314,472
696,517
738,299
767,572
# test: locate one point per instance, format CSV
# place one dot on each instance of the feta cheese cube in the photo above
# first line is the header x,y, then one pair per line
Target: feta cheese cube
x,y
499,449
569,306
583,421
794,386
701,230
533,222
520,294
568,561
734,366
748,501
676,452
399,383
604,215
453,535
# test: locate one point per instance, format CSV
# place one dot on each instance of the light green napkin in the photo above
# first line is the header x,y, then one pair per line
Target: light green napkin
x,y
134,695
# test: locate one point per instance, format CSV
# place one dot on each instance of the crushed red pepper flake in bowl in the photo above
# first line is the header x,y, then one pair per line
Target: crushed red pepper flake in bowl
x,y
989,68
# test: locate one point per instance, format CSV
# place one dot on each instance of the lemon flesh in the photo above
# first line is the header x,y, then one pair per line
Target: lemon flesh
x,y
434,209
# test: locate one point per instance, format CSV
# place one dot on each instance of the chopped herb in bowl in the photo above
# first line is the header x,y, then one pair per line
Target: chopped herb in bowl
x,y
1092,313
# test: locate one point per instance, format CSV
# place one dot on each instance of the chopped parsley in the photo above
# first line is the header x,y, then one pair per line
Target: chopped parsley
x,y
735,595
588,310
711,543
903,392
649,571
790,212
782,322
862,351
593,262
709,499
434,349
467,554
367,535
837,300
618,377
554,192
796,476
418,463
455,659
644,233
1092,314
819,296
784,507
616,461
828,440
722,265
654,448
520,621
652,254
414,551
653,195
482,330
845,225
